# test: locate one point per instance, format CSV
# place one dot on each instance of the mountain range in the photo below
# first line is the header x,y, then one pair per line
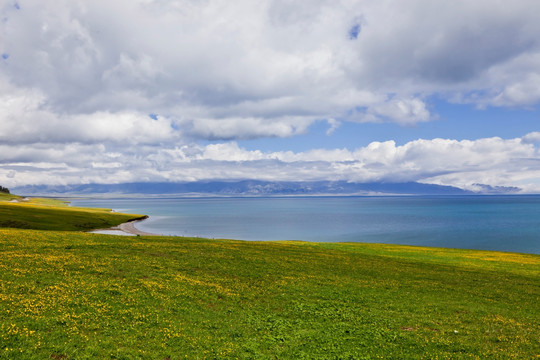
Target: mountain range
x,y
254,188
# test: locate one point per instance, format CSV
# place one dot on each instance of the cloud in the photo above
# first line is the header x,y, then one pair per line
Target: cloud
x,y
224,63
405,111
334,124
112,91
466,163
531,138
246,127
523,92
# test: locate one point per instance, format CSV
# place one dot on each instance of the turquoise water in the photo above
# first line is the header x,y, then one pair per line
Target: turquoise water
x,y
504,223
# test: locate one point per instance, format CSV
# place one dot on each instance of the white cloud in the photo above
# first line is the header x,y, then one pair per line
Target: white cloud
x,y
525,91
491,161
26,118
532,138
229,152
247,128
261,64
79,80
334,124
405,111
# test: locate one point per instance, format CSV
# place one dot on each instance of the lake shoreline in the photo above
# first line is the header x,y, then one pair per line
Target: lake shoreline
x,y
128,228
496,223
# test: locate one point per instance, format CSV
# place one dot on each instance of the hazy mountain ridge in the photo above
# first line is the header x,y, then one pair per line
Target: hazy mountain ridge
x,y
246,188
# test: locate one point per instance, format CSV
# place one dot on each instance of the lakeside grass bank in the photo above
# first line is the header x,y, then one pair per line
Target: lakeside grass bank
x,y
72,295
52,214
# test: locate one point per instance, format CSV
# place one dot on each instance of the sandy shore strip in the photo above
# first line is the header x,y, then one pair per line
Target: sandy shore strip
x,y
128,228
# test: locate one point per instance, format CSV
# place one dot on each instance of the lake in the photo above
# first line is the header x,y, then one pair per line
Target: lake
x,y
503,223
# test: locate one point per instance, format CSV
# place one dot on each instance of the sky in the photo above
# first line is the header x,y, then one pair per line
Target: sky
x,y
437,92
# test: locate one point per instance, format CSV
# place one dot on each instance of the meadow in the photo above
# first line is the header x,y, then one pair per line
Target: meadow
x,y
52,214
77,295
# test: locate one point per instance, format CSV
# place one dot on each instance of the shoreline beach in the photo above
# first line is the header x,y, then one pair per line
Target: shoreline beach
x,y
128,228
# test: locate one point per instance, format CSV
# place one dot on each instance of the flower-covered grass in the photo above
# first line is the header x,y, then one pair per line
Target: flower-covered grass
x,y
73,295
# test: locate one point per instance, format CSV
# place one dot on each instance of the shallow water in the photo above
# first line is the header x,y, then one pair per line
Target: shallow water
x,y
504,223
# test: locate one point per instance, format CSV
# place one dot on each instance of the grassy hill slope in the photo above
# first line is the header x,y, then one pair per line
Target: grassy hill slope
x,y
72,295
8,197
50,214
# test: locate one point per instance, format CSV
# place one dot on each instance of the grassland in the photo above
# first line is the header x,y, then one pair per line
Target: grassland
x,y
8,197
73,295
51,214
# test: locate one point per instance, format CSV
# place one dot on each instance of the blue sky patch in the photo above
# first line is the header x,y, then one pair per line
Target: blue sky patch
x,y
5,56
153,116
354,32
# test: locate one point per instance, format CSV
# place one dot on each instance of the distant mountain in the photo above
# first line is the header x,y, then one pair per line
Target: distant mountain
x,y
244,188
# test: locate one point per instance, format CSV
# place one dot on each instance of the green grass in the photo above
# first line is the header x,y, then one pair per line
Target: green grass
x,y
8,197
72,295
50,214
